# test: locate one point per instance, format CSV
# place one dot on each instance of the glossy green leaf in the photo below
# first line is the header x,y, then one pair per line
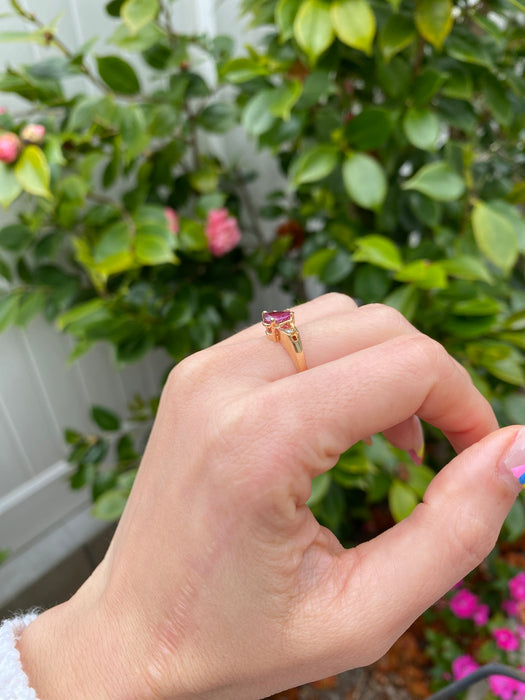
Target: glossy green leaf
x,y
8,310
320,486
256,117
284,98
467,267
423,274
379,251
316,263
497,99
313,29
10,188
15,237
137,13
218,118
313,165
370,129
105,418
113,252
285,13
401,499
354,23
419,479
32,172
438,181
398,33
29,305
422,128
515,521
365,181
495,236
110,505
434,20
118,75
84,315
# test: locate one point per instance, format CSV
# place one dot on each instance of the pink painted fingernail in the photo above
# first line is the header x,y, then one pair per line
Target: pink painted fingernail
x,y
417,455
514,460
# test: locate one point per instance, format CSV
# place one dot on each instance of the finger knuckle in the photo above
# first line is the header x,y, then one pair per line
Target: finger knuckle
x,y
387,316
473,538
339,301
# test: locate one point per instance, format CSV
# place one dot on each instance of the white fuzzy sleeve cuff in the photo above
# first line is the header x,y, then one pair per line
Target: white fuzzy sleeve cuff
x,y
14,684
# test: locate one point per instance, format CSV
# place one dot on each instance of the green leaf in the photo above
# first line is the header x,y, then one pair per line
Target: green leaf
x,y
423,274
405,299
284,99
426,86
8,310
320,487
10,188
137,13
285,13
256,117
354,23
313,165
497,99
466,267
379,251
105,419
314,265
218,118
398,33
515,521
401,499
370,129
29,305
110,505
313,29
495,236
113,253
422,128
365,181
15,237
514,406
154,245
434,20
32,172
419,478
118,75
83,315
438,181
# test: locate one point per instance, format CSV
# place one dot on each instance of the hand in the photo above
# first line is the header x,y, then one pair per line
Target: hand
x,y
219,582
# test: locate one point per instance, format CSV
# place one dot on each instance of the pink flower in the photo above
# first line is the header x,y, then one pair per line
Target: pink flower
x,y
510,607
33,133
10,147
2,110
463,665
503,687
464,604
173,220
517,587
506,639
222,232
481,614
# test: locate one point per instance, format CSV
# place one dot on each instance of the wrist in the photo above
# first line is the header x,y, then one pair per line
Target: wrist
x,y
76,650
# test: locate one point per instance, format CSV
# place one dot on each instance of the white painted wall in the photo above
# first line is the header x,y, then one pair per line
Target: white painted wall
x,y
41,519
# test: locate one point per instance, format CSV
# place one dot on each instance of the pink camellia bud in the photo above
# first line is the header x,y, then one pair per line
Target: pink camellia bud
x,y
172,219
10,147
33,133
222,232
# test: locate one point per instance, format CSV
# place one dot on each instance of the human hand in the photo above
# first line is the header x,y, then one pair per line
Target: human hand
x,y
219,582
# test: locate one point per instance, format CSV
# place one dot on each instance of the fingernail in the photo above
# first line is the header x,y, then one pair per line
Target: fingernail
x,y
417,455
514,460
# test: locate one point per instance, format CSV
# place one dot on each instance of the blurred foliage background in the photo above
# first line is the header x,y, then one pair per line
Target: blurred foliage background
x,y
397,127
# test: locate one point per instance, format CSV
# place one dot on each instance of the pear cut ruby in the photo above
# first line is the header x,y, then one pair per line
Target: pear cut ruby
x,y
277,317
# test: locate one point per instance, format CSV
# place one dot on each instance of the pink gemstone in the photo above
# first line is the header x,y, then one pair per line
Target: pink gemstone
x,y
277,317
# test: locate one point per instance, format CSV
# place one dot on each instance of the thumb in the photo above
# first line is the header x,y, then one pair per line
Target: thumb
x,y
395,577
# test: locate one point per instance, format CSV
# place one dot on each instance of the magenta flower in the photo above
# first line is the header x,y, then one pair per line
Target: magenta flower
x,y
173,220
222,232
481,615
463,665
517,587
503,687
33,133
10,147
506,639
464,604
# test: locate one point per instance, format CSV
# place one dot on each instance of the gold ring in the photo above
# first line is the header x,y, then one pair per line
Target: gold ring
x,y
280,328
